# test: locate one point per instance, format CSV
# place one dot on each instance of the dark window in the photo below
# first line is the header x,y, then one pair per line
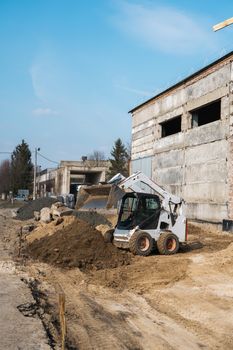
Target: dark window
x,y
172,126
139,209
206,114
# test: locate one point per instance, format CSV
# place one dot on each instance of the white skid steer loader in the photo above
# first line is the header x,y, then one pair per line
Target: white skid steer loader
x,y
148,216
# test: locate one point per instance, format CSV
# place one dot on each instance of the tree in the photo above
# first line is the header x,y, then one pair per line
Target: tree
x,y
21,168
5,168
119,162
97,157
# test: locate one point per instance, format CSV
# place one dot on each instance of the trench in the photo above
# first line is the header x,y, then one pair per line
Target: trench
x,y
40,308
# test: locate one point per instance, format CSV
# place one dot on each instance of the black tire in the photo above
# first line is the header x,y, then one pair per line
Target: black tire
x,y
108,236
141,243
168,243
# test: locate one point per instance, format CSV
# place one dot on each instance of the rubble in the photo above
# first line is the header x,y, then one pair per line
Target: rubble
x,y
26,212
37,215
45,215
49,229
28,228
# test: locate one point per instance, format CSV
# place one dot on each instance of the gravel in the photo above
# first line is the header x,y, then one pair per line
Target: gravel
x,y
27,211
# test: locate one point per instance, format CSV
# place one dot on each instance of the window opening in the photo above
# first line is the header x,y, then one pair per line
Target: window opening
x,y
206,114
172,126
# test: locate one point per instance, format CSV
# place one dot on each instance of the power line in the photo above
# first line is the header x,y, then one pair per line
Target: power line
x,y
52,161
49,160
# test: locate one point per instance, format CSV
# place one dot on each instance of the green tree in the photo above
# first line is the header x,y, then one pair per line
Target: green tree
x,y
21,168
119,160
5,168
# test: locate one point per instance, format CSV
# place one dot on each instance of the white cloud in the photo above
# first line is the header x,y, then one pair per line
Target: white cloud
x,y
44,111
45,73
36,73
165,28
135,91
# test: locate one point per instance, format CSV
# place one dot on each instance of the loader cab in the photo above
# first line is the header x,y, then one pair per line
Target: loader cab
x,y
139,209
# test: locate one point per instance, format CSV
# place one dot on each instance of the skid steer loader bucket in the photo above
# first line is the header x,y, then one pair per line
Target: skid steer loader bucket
x,y
93,197
98,197
100,200
96,205
115,195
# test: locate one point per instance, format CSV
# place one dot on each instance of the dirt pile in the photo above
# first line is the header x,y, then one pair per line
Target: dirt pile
x,y
43,229
27,211
91,217
78,245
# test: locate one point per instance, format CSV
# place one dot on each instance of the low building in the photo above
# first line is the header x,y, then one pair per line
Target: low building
x,y
45,182
183,139
69,175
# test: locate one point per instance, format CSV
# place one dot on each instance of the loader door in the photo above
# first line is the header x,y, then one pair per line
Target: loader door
x,y
148,211
139,209
126,219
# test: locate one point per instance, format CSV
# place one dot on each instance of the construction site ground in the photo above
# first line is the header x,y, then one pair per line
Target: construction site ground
x,y
182,301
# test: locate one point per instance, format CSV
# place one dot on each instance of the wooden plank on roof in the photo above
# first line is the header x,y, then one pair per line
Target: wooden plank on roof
x,y
223,24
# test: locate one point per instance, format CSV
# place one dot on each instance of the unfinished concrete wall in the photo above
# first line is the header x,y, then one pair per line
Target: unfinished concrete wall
x,y
195,163
70,172
230,148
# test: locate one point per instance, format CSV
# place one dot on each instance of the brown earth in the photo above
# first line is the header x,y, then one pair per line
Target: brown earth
x,y
78,245
182,301
159,302
42,229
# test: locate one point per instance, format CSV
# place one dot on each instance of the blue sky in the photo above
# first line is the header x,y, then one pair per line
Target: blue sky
x,y
71,70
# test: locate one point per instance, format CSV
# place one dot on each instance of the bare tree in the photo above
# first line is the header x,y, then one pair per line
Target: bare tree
x,y
97,157
5,168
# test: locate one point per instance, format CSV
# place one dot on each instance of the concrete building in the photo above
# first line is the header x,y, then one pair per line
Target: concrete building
x,y
69,175
45,182
183,139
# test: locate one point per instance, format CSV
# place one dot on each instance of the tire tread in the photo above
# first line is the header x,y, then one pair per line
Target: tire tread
x,y
161,243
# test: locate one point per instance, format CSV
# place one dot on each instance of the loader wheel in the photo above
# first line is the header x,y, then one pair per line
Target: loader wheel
x,y
141,243
168,243
108,236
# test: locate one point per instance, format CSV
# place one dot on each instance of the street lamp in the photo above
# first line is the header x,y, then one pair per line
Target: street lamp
x,y
35,169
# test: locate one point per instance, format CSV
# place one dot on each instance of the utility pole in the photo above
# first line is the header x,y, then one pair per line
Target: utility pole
x,y
35,170
223,24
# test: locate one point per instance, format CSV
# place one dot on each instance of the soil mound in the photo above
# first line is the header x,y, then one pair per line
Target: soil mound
x,y
27,211
78,245
43,229
91,217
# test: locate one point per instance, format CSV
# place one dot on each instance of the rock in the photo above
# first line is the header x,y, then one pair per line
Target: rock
x,y
28,228
37,215
45,215
56,205
61,211
66,212
58,221
103,228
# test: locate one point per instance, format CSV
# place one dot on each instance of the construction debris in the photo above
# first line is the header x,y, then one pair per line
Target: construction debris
x,y
27,211
45,215
58,209
78,245
43,229
28,228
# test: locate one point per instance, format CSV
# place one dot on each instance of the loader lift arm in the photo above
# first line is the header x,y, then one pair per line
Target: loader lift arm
x,y
147,219
132,182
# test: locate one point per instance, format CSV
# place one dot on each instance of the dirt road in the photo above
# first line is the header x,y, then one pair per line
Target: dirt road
x,y
159,302
17,330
